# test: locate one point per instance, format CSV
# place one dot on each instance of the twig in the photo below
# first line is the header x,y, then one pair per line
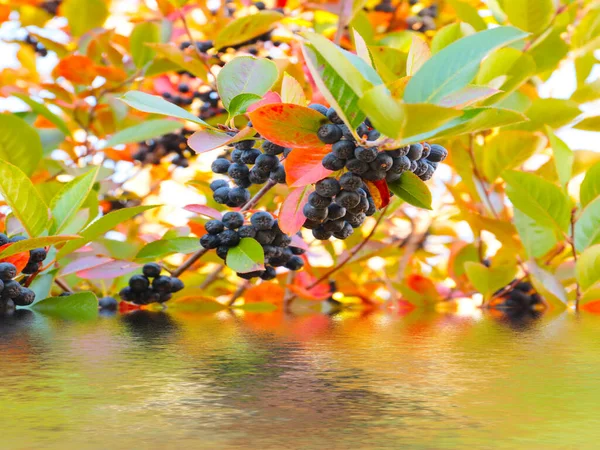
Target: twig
x,y
64,286
238,292
260,194
342,19
212,277
198,52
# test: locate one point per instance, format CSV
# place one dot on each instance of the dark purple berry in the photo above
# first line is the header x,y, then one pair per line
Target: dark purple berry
x,y
329,133
332,162
232,220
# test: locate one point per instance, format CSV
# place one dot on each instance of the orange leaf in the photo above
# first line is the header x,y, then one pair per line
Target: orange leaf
x,y
304,166
78,69
265,292
111,73
380,193
289,125
423,286
19,260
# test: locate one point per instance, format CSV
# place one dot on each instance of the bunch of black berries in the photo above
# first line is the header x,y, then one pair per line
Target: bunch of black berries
x,y
245,166
37,46
51,6
36,256
522,296
424,20
337,207
227,233
369,162
11,292
154,150
151,287
385,6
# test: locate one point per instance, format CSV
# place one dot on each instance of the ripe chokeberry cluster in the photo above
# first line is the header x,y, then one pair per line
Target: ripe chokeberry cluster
x,y
36,45
424,20
246,166
337,207
12,294
151,286
36,256
227,233
154,150
369,162
522,296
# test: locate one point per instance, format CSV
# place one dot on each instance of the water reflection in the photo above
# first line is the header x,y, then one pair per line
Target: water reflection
x,y
351,380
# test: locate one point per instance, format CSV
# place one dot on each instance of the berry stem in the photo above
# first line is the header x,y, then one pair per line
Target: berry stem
x,y
202,251
64,286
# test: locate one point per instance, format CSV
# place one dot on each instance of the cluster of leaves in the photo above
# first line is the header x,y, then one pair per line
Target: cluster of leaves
x,y
513,204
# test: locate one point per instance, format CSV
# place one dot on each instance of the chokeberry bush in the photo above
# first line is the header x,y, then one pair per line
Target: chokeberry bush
x,y
407,153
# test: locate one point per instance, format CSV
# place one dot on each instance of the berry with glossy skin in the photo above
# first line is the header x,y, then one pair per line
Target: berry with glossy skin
x,y
221,195
246,231
245,145
31,268
266,162
229,238
318,107
366,154
372,208
258,176
362,206
7,271
311,224
345,233
250,156
437,153
347,199
108,303
396,153
232,220
238,196
357,166
400,165
329,133
25,298
213,227
12,289
265,237
415,152
318,201
220,165
335,211
37,255
236,155
328,187
332,162
355,220
127,294
426,150
333,116
139,283
374,175
238,171
222,252
321,234
262,220
294,263
373,135
421,168
217,184
270,148
269,273
176,284
343,149
278,175
334,225
210,241
162,284
350,182
428,174
383,162
316,214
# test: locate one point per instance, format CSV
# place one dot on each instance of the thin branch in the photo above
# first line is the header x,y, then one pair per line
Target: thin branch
x,y
238,292
198,52
212,277
64,286
260,194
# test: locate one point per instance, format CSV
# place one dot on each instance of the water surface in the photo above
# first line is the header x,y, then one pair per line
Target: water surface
x,y
156,380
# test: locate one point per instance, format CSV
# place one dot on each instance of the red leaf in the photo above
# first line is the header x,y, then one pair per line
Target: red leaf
x,y
205,211
423,286
163,84
321,291
111,269
206,140
303,166
291,217
288,125
269,98
298,242
380,192
19,260
87,262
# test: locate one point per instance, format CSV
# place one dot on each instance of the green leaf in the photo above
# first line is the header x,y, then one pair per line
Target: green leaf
x,y
24,200
589,124
412,189
537,240
563,158
158,105
587,269
101,226
590,187
69,199
340,82
84,15
143,33
588,92
178,58
164,247
529,15
587,32
508,150
42,284
449,34
42,110
248,256
19,143
418,55
548,285
79,306
240,103
541,200
468,14
553,112
148,129
245,28
30,244
245,75
488,280
455,66
587,227
291,90
389,62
